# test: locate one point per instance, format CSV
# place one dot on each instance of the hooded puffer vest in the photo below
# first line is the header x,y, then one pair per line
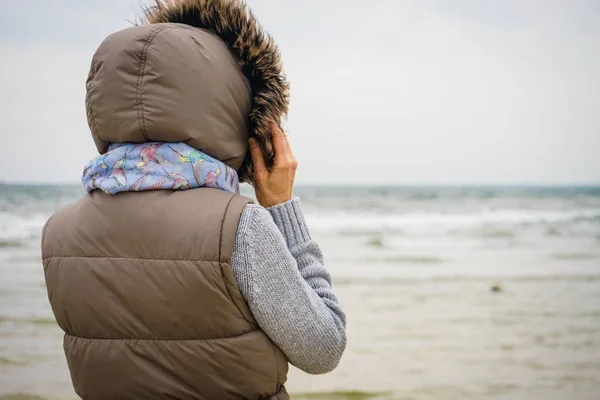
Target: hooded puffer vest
x,y
141,284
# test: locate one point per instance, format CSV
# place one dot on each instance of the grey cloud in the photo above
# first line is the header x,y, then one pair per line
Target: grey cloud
x,y
382,91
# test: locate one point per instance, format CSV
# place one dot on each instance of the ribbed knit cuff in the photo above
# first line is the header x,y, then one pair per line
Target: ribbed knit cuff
x,y
289,219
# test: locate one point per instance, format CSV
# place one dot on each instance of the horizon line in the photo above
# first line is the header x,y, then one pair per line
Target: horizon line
x,y
373,185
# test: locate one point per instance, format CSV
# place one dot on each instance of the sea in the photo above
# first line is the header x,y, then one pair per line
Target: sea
x,y
477,292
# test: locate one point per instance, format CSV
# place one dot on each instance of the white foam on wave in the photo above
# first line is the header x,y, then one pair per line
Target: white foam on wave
x,y
18,228
431,222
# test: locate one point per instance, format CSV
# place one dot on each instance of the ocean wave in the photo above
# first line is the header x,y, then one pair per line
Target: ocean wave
x,y
17,228
487,280
492,223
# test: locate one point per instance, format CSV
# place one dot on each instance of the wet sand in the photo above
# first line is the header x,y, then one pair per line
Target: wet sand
x,y
409,338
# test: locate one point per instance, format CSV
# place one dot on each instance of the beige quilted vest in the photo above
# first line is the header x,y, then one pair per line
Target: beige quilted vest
x,y
141,284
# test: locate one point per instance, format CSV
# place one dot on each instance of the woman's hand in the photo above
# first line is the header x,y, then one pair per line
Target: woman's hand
x,y
274,186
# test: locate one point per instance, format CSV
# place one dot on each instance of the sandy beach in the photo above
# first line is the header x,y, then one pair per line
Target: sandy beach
x,y
414,270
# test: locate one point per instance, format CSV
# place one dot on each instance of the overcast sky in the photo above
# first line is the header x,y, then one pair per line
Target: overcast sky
x,y
399,92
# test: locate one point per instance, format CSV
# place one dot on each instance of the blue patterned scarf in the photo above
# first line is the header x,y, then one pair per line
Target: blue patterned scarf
x,y
153,166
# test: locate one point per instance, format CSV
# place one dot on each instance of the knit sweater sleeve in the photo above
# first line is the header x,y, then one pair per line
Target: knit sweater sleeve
x,y
279,269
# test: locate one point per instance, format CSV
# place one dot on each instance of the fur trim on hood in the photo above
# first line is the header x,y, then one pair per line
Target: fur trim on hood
x,y
255,51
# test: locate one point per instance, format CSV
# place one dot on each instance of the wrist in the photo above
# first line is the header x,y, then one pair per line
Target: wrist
x,y
272,200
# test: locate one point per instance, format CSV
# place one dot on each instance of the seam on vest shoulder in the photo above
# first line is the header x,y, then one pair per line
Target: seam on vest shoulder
x,y
227,264
43,240
222,225
163,340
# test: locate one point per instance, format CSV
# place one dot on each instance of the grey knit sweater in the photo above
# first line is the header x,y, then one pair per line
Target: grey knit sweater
x,y
280,272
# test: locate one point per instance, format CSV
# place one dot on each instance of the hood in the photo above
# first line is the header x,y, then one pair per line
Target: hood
x,y
200,72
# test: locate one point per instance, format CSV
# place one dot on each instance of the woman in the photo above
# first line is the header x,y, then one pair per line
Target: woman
x,y
167,283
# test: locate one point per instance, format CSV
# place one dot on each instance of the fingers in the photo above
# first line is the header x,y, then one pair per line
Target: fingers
x,y
290,155
258,159
280,145
284,158
287,145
